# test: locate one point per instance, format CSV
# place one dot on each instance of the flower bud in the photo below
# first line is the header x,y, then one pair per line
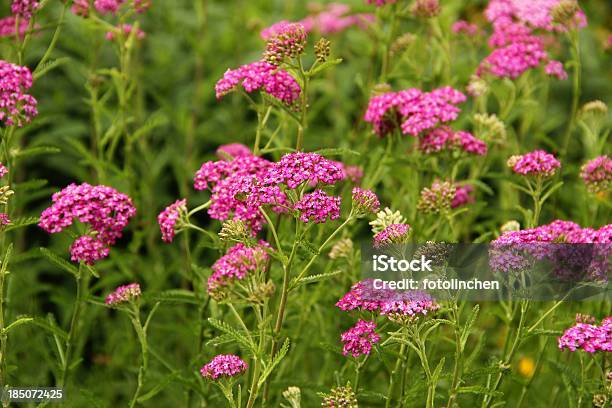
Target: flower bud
x,y
342,249
322,49
425,8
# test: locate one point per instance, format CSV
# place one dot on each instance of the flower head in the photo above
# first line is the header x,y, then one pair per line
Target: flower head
x,y
126,30
286,41
444,138
224,366
393,234
597,174
437,198
4,220
233,150
364,201
8,24
24,8
80,8
341,397
16,106
88,250
385,218
358,340
425,8
108,6
536,163
3,170
293,169
463,196
588,337
239,261
123,294
555,68
263,76
464,27
318,207
168,219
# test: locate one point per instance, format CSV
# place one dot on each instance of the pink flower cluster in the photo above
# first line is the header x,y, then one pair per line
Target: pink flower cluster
x,y
445,138
558,231
224,366
588,337
169,216
233,150
7,26
364,201
123,294
352,173
24,8
16,106
413,110
597,174
104,209
555,68
3,170
4,220
536,163
358,340
108,6
335,18
463,196
285,41
260,76
437,198
237,262
535,14
464,27
363,296
393,234
127,30
293,169
318,207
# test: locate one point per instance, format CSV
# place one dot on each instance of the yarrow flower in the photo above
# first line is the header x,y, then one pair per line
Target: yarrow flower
x,y
364,201
318,207
260,75
224,366
16,106
3,170
108,6
293,169
413,110
127,30
169,217
24,8
464,27
104,209
549,15
80,8
425,8
286,41
437,198
385,218
444,138
7,26
340,397
597,174
380,3
233,150
536,163
237,263
555,68
588,337
393,234
358,340
123,294
462,196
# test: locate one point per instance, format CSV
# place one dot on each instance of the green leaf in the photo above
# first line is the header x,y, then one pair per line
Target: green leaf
x,y
338,151
237,335
50,326
176,296
550,192
17,323
312,278
161,384
59,261
327,64
468,326
274,362
30,185
21,222
156,120
37,151
478,389
48,66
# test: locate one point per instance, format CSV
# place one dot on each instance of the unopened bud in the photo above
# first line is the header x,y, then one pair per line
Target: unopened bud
x,y
322,49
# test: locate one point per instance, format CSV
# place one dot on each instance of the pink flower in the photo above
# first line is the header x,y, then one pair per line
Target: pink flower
x,y
444,138
293,169
88,249
536,163
358,340
393,234
127,30
168,218
555,68
237,263
536,14
437,198
285,41
462,196
4,220
260,76
365,201
24,8
318,207
464,27
233,150
3,170
140,6
105,210
108,6
224,366
123,294
7,26
334,18
380,3
16,106
588,337
597,174
80,8
413,110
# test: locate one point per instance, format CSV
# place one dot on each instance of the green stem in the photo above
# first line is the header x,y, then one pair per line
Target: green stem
x,y
575,46
392,378
54,39
142,338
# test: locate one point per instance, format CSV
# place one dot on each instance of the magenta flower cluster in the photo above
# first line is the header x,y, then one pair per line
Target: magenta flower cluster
x,y
123,294
597,174
285,41
126,29
364,201
16,106
463,196
3,170
293,169
168,218
224,366
260,75
445,138
233,150
464,27
536,163
535,14
413,110
393,234
108,6
105,210
8,24
237,263
555,69
24,8
558,231
358,340
588,337
318,207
